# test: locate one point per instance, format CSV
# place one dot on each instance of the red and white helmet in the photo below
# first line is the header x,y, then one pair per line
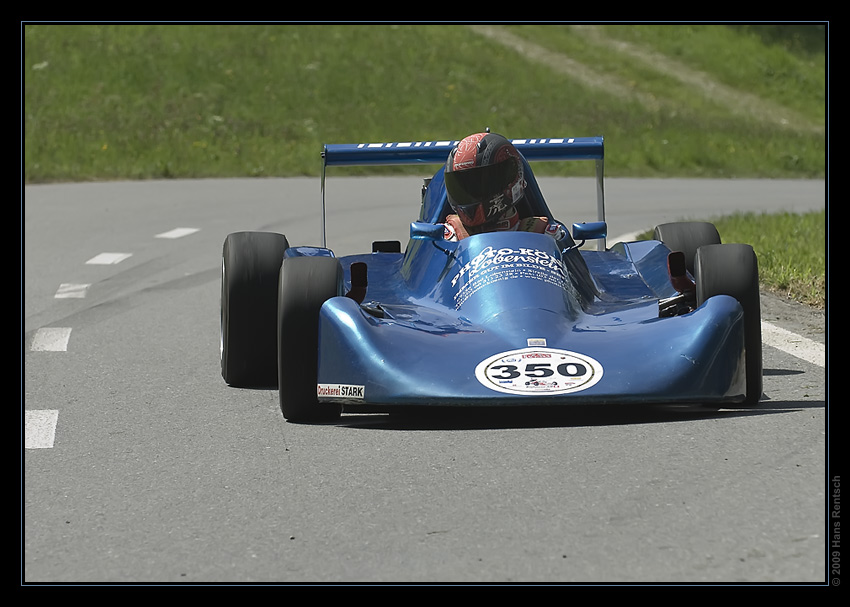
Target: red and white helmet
x,y
484,180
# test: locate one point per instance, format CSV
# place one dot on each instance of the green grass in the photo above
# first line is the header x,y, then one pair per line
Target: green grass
x,y
153,101
146,101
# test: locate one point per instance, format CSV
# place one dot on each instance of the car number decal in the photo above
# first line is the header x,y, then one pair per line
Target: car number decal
x,y
538,370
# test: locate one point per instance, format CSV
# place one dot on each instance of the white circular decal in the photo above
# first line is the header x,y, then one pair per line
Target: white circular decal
x,y
538,371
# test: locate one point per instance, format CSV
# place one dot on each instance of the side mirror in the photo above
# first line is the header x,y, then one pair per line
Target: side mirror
x,y
590,231
420,230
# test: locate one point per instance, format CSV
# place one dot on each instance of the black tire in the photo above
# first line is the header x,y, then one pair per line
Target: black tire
x,y
249,275
687,237
732,269
305,284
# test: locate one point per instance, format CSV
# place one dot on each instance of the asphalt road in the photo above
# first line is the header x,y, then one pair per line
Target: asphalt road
x,y
142,466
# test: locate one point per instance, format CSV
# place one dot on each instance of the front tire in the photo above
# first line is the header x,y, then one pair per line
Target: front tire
x,y
249,275
732,269
687,237
305,284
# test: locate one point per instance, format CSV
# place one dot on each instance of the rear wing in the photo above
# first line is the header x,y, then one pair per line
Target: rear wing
x,y
436,152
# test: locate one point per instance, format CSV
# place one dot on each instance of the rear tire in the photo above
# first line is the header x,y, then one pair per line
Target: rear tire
x,y
249,275
732,269
305,284
687,237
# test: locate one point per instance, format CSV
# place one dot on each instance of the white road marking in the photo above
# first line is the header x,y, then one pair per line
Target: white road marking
x,y
791,343
177,233
108,258
71,290
40,428
51,339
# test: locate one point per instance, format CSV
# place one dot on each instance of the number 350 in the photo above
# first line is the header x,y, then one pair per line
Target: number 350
x,y
537,370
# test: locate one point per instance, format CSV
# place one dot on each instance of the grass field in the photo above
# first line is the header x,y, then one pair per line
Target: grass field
x,y
153,101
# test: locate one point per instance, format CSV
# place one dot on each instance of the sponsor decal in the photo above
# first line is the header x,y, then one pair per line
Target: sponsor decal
x,y
408,144
518,190
538,370
492,265
340,391
452,143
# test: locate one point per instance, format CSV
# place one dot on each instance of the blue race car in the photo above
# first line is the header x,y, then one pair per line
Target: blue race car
x,y
499,318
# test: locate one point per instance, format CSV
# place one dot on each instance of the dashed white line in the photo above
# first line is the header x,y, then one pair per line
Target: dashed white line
x,y
40,425
68,290
177,233
108,258
40,428
51,339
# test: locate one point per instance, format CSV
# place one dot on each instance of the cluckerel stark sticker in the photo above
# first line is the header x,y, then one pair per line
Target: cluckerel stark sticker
x,y
538,371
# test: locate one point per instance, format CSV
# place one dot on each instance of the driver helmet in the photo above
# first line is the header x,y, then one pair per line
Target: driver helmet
x,y
484,181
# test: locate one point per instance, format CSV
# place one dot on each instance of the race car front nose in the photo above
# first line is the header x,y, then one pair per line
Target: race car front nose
x,y
696,357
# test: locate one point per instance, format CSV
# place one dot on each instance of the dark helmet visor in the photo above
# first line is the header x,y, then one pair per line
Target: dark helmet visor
x,y
480,184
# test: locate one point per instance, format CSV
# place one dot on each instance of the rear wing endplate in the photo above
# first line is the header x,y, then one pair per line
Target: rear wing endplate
x,y
436,152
